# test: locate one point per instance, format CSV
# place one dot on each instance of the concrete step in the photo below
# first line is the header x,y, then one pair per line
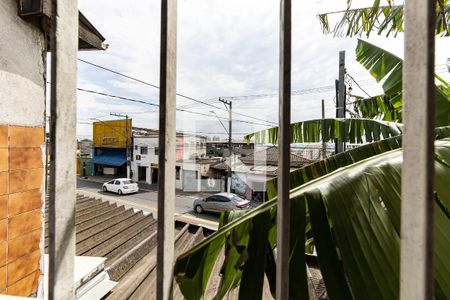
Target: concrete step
x,y
104,235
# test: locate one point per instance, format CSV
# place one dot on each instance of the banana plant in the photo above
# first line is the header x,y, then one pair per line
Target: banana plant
x,y
386,20
351,204
387,67
327,130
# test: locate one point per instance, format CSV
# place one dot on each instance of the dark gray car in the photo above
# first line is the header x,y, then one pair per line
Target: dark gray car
x,y
220,202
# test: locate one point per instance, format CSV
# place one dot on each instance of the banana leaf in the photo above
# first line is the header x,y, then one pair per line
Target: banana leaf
x,y
386,20
348,130
377,107
385,66
353,203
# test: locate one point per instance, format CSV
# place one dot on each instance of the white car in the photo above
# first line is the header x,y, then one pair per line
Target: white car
x,y
121,186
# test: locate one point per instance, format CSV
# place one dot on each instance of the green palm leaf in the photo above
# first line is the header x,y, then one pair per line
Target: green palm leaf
x,y
386,20
353,203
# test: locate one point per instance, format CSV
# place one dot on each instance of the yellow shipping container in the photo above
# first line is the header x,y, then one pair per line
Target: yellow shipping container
x,y
112,134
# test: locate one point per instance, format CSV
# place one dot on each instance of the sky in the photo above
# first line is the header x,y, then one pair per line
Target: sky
x,y
225,49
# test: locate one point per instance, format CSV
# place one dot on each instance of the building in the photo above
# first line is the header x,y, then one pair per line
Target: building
x,y
144,164
23,67
84,147
112,142
250,172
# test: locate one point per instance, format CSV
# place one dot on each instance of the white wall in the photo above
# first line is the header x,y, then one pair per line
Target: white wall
x,y
22,69
145,159
194,146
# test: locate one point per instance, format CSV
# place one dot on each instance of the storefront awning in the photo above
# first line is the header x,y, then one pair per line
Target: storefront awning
x,y
110,159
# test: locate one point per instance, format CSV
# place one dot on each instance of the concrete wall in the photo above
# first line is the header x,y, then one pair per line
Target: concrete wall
x,y
22,151
22,69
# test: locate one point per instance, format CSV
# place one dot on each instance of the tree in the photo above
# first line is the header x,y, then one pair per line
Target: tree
x,y
385,66
350,204
380,19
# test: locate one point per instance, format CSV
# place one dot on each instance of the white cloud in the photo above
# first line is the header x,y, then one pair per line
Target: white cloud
x,y
225,48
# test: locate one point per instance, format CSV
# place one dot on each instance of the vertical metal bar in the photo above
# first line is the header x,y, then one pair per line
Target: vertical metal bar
x,y
63,121
167,146
417,216
230,147
324,148
340,101
284,134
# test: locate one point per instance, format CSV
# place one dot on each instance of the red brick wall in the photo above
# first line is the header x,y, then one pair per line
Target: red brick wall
x,y
21,180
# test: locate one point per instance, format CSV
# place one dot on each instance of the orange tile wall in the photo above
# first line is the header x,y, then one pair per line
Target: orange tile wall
x,y
21,180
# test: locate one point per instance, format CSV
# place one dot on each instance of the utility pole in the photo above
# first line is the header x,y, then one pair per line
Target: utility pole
x,y
323,128
340,98
127,144
229,103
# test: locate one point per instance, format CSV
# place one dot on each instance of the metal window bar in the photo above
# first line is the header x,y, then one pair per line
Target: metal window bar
x,y
62,181
167,146
418,170
284,133
416,249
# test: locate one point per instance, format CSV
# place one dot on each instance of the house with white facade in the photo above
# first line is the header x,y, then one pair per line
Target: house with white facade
x,y
144,164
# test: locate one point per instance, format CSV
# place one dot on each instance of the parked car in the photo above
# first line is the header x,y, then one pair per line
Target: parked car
x,y
220,202
121,186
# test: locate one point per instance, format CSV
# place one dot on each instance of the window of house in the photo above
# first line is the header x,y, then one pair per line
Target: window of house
x,y
156,150
144,150
135,147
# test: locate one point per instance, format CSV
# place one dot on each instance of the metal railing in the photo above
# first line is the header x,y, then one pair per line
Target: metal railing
x,y
417,180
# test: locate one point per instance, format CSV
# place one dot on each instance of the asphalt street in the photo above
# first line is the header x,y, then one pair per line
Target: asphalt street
x,y
148,201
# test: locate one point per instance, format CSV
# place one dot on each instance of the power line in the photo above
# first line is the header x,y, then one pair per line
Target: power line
x,y
178,94
157,105
351,77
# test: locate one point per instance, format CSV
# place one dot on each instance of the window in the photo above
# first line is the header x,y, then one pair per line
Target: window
x,y
156,150
117,182
144,150
212,199
135,147
177,173
138,157
127,182
223,199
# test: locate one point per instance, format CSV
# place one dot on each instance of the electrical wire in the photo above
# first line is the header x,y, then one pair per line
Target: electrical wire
x,y
359,86
178,94
157,105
